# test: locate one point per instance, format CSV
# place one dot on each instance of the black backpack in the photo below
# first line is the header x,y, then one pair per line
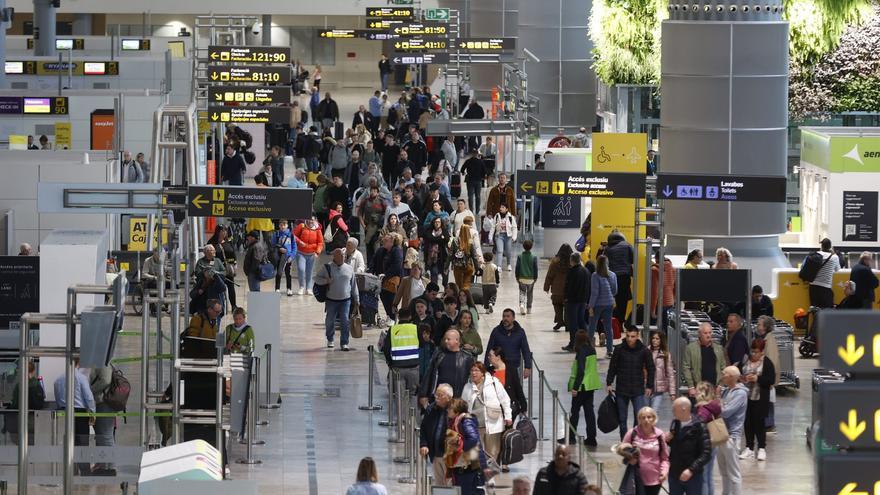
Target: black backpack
x,y
116,394
512,447
608,418
811,266
529,434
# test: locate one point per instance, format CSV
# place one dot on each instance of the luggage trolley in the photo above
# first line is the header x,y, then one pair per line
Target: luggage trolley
x,y
369,287
784,335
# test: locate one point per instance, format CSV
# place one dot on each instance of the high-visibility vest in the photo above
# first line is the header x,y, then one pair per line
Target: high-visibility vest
x,y
404,345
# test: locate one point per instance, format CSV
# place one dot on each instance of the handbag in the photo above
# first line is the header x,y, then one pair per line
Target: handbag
x,y
608,418
390,284
717,432
356,327
320,290
266,270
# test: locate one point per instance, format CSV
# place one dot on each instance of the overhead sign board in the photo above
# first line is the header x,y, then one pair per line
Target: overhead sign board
x,y
390,12
384,23
849,474
19,287
251,202
587,184
250,54
34,105
482,44
437,14
345,33
249,74
76,68
851,339
420,29
380,35
851,414
421,44
63,44
249,94
248,115
420,58
762,189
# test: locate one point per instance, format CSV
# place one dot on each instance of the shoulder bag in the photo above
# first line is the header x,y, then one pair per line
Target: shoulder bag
x,y
717,432
320,290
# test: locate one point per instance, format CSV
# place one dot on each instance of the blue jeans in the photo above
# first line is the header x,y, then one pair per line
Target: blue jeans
x,y
536,211
473,195
105,431
603,313
469,481
340,310
304,265
575,319
503,248
253,283
623,402
708,482
383,78
694,486
313,164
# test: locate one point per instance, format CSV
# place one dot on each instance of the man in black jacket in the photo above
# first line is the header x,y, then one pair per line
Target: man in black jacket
x,y
416,150
620,261
633,367
690,449
432,432
233,167
390,155
328,112
561,476
362,116
449,365
577,295
447,320
865,280
511,337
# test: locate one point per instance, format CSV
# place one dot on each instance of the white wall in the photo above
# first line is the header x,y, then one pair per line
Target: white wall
x,y
23,170
297,7
138,119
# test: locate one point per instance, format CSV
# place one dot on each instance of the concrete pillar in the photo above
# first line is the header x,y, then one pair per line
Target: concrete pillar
x,y
44,28
556,32
491,18
82,24
724,76
267,30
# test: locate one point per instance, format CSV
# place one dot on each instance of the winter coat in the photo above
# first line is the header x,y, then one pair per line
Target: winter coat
x,y
584,371
653,454
431,378
668,285
664,373
577,285
308,241
493,203
282,239
554,281
515,344
339,157
433,430
602,290
620,254
328,109
633,367
494,396
691,372
572,482
511,226
254,255
690,447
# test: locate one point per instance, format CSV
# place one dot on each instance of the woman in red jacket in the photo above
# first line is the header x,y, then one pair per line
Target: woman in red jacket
x,y
309,244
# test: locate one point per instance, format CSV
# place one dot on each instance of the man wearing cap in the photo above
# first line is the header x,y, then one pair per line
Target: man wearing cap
x,y
255,253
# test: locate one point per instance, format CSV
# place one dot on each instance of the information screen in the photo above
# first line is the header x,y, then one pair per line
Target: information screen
x,y
94,68
131,44
15,67
38,105
64,44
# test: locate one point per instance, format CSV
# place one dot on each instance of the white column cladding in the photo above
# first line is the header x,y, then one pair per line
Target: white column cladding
x,y
724,111
67,257
264,316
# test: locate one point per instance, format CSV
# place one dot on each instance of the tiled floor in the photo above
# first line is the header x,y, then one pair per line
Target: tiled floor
x,y
314,442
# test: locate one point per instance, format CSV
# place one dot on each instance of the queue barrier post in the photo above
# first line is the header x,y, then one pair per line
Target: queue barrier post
x,y
269,404
554,394
402,420
257,420
392,384
411,448
541,406
251,416
530,385
371,375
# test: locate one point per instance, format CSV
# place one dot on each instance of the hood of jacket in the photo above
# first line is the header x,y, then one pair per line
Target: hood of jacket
x,y
640,346
615,238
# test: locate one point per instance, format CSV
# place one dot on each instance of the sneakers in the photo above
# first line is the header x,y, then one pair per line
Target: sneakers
x,y
278,291
302,291
345,347
762,455
329,344
771,430
489,309
509,268
529,311
568,348
522,309
748,453
309,291
289,292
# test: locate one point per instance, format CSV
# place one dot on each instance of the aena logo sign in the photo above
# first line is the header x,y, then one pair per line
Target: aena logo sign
x,y
855,155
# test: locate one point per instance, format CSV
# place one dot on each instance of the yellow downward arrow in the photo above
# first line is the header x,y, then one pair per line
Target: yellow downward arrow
x,y
849,489
853,428
199,202
851,354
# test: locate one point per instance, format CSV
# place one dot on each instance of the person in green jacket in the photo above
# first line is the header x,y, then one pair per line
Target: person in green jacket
x,y
526,275
694,370
239,335
470,336
582,383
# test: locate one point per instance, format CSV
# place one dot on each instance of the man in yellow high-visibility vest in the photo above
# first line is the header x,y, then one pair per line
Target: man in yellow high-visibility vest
x,y
401,349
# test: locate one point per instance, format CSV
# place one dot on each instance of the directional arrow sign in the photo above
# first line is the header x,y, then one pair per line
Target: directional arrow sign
x,y
482,44
849,474
420,58
255,74
249,115
251,54
586,184
263,95
851,414
437,14
851,339
722,187
390,12
251,202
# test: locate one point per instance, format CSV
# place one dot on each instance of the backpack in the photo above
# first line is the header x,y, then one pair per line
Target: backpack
x,y
320,290
812,264
530,436
337,239
116,394
455,184
512,446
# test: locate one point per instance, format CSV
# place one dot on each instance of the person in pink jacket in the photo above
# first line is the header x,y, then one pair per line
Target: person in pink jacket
x,y
664,373
653,451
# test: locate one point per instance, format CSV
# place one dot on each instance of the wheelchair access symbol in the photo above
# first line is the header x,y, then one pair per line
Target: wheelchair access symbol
x,y
603,157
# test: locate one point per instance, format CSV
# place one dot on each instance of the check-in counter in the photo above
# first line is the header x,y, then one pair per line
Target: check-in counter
x,y
789,292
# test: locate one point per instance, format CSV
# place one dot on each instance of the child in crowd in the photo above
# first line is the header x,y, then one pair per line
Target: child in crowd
x,y
526,275
491,277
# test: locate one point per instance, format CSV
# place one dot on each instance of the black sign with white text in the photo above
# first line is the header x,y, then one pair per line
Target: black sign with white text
x,y
859,216
760,189
257,74
19,287
252,54
580,184
420,58
263,95
252,202
249,115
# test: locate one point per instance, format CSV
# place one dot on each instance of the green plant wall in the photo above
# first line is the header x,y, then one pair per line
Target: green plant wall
x,y
626,38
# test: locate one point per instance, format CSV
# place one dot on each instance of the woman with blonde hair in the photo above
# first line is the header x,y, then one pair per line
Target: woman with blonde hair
x,y
367,482
724,259
708,409
653,459
465,258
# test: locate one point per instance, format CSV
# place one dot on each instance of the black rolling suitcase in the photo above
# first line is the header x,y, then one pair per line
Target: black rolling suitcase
x,y
339,130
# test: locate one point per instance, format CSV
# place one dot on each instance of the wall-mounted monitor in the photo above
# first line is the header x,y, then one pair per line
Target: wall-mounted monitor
x,y
62,44
37,106
135,45
14,67
94,68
